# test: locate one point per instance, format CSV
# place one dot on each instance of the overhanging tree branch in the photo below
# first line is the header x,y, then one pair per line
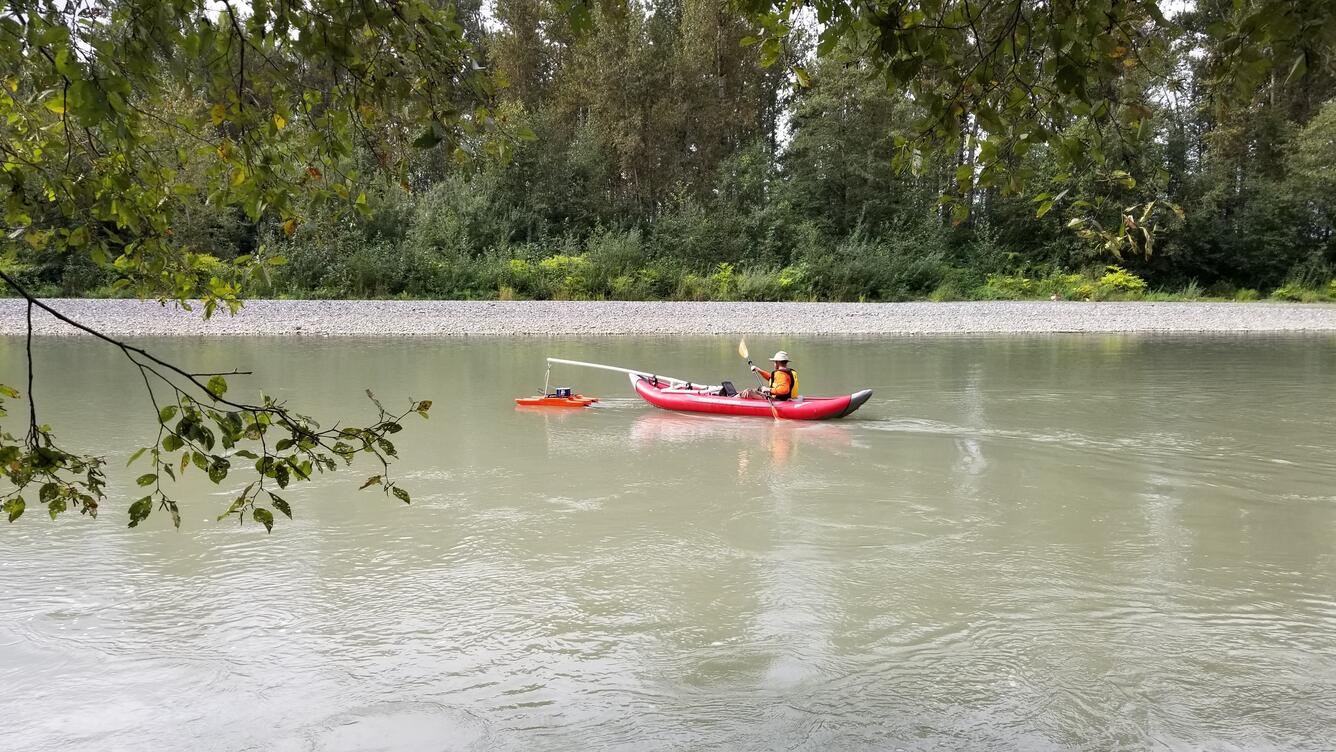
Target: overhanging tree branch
x,y
195,428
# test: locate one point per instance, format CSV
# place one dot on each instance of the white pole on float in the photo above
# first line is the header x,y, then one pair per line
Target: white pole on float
x,y
631,371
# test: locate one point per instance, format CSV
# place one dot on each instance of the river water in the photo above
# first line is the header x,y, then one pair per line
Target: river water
x,y
1086,542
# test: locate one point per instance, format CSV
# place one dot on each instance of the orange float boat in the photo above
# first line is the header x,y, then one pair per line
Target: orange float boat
x,y
561,398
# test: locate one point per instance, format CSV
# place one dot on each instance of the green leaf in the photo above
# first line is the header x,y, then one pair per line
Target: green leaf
x,y
171,442
166,413
140,510
136,456
401,494
264,517
78,237
147,479
372,481
829,39
280,504
237,504
959,213
217,386
14,508
218,470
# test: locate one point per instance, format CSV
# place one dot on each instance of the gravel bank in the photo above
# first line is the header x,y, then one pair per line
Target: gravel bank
x,y
464,318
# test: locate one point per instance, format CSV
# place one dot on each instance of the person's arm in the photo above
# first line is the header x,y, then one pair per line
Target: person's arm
x,y
764,373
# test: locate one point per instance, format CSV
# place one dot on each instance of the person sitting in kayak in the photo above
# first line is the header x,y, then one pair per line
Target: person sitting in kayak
x,y
782,383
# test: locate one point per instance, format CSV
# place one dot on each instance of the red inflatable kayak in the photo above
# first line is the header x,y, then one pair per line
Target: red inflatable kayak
x,y
710,401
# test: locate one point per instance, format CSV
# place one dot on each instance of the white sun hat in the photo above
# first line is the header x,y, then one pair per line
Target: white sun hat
x,y
781,355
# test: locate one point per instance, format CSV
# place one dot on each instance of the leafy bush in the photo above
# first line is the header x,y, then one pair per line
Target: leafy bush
x,y
795,281
612,254
1115,283
1008,287
659,280
458,218
1298,294
625,288
1021,286
1246,294
722,282
1119,281
946,291
894,268
565,277
1085,291
696,236
1288,292
692,287
759,284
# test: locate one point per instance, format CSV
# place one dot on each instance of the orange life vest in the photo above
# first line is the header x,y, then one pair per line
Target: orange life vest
x,y
783,383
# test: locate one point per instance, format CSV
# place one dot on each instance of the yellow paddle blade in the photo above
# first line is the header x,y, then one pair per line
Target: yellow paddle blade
x,y
742,349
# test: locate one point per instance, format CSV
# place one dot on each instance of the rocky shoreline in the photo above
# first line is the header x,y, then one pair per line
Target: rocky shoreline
x,y
401,318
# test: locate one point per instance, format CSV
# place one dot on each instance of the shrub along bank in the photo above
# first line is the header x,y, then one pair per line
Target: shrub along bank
x,y
614,266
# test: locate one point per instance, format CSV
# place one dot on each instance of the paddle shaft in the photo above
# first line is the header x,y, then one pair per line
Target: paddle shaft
x,y
742,350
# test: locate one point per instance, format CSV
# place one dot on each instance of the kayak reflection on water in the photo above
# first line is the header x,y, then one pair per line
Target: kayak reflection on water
x,y
782,439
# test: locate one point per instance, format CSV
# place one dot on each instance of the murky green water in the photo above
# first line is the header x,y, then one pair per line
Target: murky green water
x,y
1021,543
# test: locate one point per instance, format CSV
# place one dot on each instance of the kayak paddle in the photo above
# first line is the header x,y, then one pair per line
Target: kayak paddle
x,y
742,350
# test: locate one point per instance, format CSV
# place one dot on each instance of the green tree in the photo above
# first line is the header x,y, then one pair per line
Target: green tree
x,y
115,115
837,162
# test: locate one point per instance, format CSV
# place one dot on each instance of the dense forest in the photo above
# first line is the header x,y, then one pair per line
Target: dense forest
x,y
655,153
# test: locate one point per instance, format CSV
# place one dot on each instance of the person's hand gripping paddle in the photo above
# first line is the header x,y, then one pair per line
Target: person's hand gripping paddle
x,y
742,350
